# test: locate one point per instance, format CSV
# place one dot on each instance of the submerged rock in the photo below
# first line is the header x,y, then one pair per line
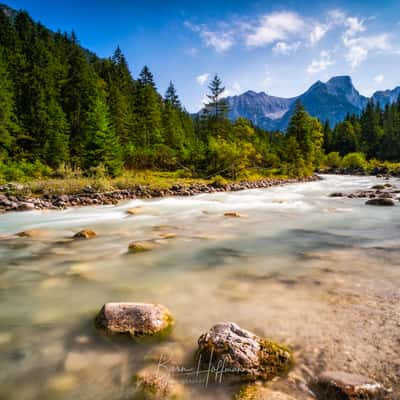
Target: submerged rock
x,y
233,214
136,319
134,210
31,233
167,235
151,384
140,247
85,234
336,194
380,201
256,392
334,385
243,353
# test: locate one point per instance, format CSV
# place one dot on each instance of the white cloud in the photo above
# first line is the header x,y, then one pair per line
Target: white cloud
x,y
379,79
202,79
285,48
354,25
358,48
220,41
336,17
274,27
320,64
318,33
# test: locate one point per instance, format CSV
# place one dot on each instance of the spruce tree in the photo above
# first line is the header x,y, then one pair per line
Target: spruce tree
x,y
102,146
217,106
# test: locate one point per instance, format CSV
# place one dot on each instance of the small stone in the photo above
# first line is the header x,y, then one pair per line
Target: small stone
x,y
380,201
168,235
335,385
140,247
234,214
134,210
31,233
378,187
85,234
25,207
243,353
336,194
136,319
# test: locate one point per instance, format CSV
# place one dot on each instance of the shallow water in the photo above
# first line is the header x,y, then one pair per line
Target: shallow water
x,y
284,270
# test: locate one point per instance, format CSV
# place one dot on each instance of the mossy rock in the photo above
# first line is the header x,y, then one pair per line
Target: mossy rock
x,y
153,385
242,353
139,320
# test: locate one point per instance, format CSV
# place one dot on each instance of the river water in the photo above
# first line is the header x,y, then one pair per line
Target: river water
x,y
318,273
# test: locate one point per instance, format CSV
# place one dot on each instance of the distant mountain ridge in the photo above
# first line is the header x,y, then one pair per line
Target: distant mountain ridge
x,y
329,101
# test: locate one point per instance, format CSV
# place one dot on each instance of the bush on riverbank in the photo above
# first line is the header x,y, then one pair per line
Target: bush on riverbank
x,y
357,162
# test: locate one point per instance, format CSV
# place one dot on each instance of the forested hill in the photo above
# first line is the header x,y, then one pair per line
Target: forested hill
x,y
61,105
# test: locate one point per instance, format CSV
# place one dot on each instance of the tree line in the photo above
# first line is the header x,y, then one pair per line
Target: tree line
x,y
62,105
375,133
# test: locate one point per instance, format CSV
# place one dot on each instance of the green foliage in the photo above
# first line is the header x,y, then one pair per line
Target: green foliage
x,y
333,160
354,160
102,146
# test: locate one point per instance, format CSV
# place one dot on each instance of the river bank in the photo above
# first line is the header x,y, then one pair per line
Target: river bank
x,y
11,198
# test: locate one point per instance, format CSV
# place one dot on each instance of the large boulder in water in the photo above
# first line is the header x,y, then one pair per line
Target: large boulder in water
x,y
336,385
243,353
136,319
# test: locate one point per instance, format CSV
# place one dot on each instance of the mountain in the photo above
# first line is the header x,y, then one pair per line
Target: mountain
x,y
386,96
260,108
329,101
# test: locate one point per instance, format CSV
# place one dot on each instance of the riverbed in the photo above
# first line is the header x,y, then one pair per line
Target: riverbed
x,y
318,273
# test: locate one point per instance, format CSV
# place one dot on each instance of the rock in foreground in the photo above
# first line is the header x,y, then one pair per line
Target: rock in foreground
x,y
152,384
380,201
136,319
333,385
243,353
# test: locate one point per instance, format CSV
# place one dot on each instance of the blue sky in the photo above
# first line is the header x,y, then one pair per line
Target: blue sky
x,y
280,47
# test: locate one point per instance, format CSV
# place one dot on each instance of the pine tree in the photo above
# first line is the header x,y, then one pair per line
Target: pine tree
x,y
148,111
102,146
217,106
171,97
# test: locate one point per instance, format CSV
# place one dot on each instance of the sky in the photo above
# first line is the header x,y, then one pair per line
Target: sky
x,y
279,47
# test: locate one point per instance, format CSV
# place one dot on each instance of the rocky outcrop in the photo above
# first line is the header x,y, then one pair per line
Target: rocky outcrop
x,y
135,319
334,385
9,201
243,353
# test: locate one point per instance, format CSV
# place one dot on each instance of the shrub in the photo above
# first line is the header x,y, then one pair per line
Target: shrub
x,y
355,160
333,160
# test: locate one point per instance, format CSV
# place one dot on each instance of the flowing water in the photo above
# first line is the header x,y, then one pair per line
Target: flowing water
x,y
318,273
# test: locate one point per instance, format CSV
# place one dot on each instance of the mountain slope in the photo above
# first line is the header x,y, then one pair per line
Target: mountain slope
x,y
330,101
260,108
386,96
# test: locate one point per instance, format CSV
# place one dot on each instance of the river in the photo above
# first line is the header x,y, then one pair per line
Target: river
x,y
318,273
